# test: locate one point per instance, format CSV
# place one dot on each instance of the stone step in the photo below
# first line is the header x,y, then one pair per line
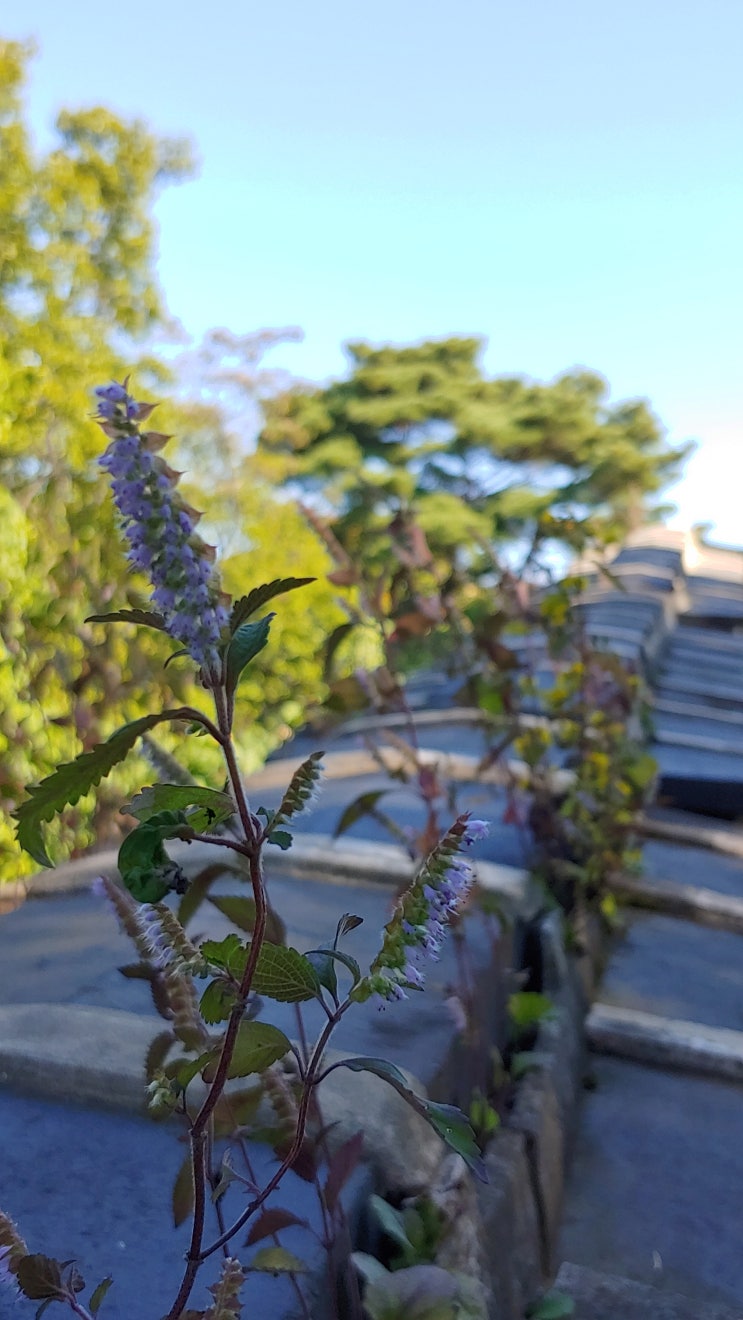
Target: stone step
x,y
719,694
608,1297
694,711
653,1191
629,1033
675,968
707,907
692,867
684,828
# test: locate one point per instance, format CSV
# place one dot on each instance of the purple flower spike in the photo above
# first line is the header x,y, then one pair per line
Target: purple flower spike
x,y
476,830
160,529
418,926
7,1274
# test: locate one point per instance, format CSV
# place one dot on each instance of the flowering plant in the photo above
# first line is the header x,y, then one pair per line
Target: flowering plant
x,y
222,638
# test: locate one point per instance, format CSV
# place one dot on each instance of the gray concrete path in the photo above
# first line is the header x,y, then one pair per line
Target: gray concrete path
x,y
654,1191
87,1183
96,1187
653,1195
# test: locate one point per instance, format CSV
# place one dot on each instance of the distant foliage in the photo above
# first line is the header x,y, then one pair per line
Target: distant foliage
x,y
479,459
79,300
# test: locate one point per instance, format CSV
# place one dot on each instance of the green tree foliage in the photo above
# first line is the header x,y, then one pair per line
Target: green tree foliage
x,y
79,305
76,292
260,534
480,459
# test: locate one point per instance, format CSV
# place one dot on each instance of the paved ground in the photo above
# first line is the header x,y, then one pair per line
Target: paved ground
x,y
87,1183
654,1190
96,1187
654,1193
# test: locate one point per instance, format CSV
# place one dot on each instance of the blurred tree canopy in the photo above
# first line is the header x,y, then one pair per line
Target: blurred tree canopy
x,y
480,460
80,305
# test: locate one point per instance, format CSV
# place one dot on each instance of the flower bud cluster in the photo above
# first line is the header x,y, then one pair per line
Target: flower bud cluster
x,y
12,1251
165,942
161,529
418,925
226,1292
303,791
161,1095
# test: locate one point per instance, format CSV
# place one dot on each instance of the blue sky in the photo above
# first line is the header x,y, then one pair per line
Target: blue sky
x,y
562,178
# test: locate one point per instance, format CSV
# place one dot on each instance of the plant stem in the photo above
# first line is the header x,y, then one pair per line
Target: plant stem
x,y
220,841
304,1105
198,1134
78,1309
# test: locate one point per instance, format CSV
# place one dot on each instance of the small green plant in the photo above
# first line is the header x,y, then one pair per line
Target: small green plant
x,y
215,1035
415,1231
484,1118
526,1009
587,771
554,1305
418,1292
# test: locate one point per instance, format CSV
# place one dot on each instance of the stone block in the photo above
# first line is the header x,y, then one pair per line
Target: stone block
x,y
86,1055
511,1250
607,1297
537,1116
562,1052
402,1150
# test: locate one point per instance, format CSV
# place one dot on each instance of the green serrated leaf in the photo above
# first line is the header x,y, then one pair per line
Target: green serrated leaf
x,y
281,838
97,1296
527,1008
148,618
146,870
316,957
248,640
247,605
285,974
258,1045
240,911
277,1260
361,806
73,780
40,1277
217,1002
553,1306
448,1121
230,954
183,1193
211,807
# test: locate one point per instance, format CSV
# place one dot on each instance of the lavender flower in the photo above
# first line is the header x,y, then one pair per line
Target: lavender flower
x,y
161,528
7,1274
418,925
166,944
